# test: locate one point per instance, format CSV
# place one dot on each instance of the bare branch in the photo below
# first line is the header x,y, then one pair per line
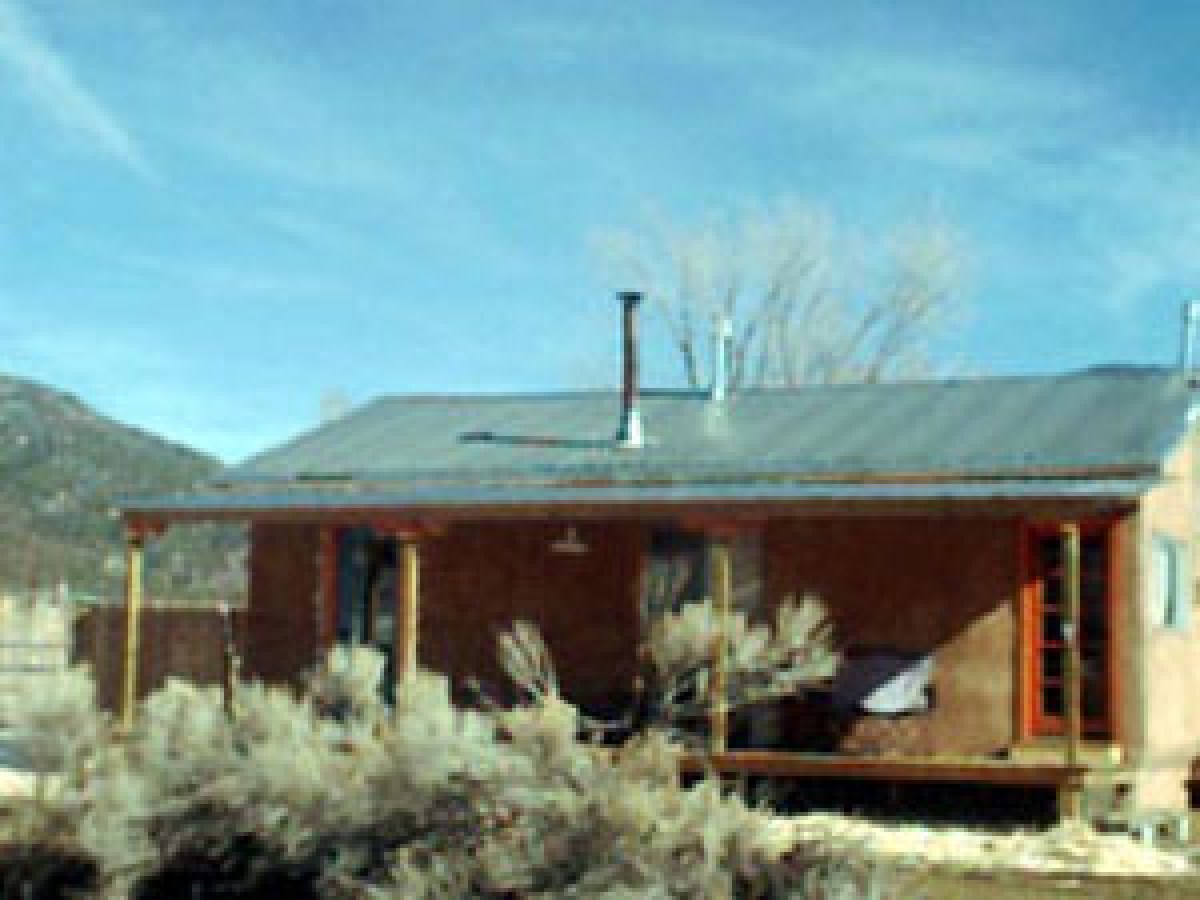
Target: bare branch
x,y
786,284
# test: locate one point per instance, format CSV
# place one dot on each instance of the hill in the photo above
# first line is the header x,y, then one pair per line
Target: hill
x,y
62,467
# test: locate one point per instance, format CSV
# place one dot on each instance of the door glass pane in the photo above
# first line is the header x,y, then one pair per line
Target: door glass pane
x,y
1094,699
1052,700
1053,593
1093,558
1053,665
1094,626
1091,662
1052,627
1049,554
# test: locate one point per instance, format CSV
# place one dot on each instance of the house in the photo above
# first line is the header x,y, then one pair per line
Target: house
x,y
1029,540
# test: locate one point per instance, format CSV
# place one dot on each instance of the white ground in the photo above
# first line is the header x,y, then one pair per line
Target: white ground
x,y
1067,849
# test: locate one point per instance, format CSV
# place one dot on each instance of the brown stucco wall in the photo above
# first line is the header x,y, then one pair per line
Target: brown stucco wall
x,y
284,608
1169,693
947,586
478,578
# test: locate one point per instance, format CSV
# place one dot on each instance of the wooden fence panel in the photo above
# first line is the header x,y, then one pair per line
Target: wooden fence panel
x,y
176,642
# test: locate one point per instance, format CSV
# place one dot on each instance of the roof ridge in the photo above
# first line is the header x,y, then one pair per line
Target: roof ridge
x,y
1103,370
567,393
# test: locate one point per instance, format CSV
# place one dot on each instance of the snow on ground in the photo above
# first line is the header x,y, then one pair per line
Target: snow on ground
x,y
1069,848
16,783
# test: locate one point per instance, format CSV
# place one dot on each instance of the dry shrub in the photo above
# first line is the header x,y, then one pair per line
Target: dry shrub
x,y
331,793
763,661
50,843
573,820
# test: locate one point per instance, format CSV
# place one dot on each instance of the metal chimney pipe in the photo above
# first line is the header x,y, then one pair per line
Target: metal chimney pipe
x,y
722,338
1191,318
629,432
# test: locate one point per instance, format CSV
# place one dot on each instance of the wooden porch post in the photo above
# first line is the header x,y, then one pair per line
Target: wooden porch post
x,y
135,541
408,584
718,700
1070,801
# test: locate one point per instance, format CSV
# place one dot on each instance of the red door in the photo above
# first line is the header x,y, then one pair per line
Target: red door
x,y
1045,638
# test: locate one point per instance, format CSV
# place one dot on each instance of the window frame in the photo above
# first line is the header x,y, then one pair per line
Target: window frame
x,y
1170,594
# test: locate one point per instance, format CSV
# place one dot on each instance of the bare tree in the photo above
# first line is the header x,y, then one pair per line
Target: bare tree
x,y
806,304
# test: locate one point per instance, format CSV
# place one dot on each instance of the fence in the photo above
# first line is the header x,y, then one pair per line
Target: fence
x,y
174,642
35,641
43,632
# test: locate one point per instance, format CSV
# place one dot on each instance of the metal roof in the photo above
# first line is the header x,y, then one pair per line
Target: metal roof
x,y
1112,420
1101,434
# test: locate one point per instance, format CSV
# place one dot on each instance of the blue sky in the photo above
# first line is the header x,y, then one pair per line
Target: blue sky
x,y
215,211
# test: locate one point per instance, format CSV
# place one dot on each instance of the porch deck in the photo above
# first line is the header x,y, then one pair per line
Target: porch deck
x,y
788,764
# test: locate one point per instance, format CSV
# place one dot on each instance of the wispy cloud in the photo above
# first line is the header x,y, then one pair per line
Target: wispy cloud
x,y
210,277
1042,141
48,80
1138,219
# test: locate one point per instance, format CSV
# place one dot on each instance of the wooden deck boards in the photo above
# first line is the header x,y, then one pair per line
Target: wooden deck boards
x,y
782,764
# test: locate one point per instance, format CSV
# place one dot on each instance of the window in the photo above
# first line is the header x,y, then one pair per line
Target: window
x,y
365,610
678,572
1170,591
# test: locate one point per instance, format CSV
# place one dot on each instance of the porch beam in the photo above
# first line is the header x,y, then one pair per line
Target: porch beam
x,y
1070,800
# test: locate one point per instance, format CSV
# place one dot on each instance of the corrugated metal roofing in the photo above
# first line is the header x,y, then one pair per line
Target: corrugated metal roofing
x,y
452,497
1083,423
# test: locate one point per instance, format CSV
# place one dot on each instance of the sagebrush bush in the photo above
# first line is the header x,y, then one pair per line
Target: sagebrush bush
x,y
51,843
331,793
763,661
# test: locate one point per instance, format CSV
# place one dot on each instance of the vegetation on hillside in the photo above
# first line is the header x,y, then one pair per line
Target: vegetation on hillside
x,y
63,468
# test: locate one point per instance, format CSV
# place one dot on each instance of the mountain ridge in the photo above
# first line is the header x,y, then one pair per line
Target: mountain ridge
x,y
63,468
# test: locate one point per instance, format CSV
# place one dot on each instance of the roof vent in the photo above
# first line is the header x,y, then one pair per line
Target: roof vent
x,y
629,431
722,345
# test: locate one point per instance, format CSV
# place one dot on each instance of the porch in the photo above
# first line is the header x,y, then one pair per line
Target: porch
x,y
957,584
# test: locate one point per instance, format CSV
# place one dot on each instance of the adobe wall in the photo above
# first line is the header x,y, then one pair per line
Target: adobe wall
x,y
1169,714
947,586
476,579
284,607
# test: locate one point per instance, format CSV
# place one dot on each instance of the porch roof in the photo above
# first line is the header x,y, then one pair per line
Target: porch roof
x,y
334,502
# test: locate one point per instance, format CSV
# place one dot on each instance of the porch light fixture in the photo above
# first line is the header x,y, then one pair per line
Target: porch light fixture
x,y
570,543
